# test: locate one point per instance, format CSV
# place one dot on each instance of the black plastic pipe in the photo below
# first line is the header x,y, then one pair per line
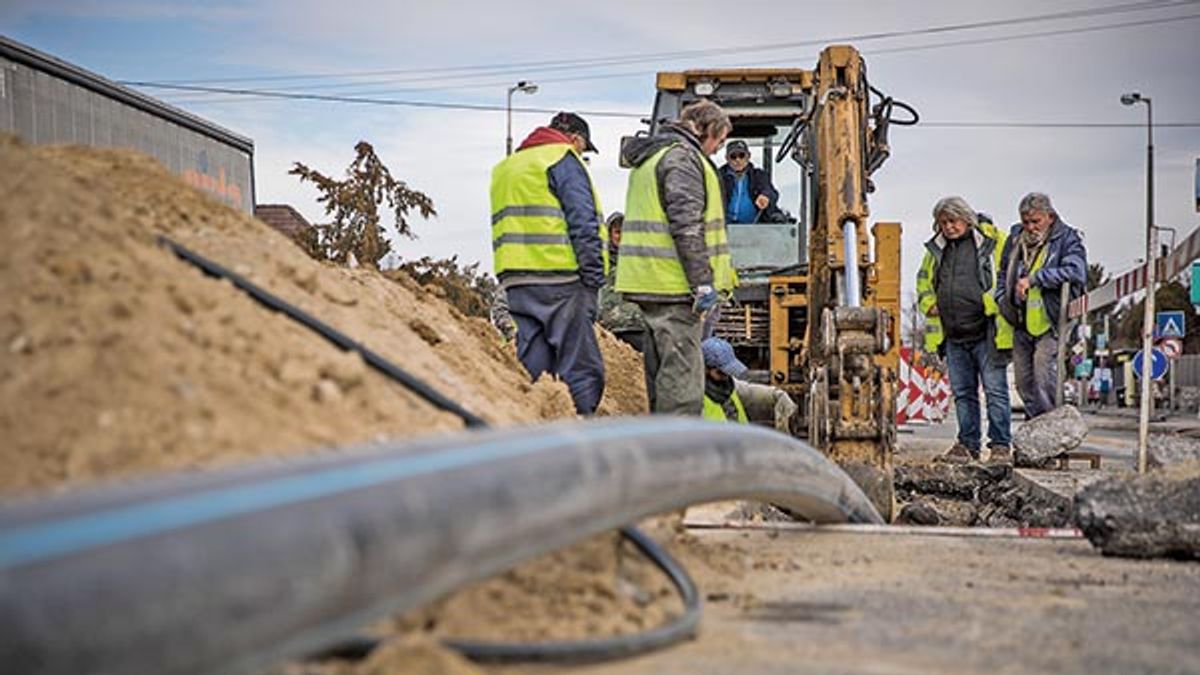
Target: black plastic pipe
x,y
231,571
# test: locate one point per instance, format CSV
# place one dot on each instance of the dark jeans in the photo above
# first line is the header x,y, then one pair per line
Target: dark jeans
x,y
674,363
1035,367
555,335
971,364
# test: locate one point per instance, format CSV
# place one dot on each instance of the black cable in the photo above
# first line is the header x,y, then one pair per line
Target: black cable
x,y
326,331
572,651
440,73
575,651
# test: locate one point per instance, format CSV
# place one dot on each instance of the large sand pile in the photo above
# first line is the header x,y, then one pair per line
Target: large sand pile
x,y
118,359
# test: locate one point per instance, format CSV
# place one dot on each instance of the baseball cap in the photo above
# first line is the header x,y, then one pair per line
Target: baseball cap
x,y
719,354
736,146
573,124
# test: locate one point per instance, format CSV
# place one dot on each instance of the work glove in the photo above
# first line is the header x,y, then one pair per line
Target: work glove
x,y
706,297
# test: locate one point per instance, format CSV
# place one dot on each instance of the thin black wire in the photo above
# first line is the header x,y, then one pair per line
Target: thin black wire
x,y
612,113
259,94
385,86
556,64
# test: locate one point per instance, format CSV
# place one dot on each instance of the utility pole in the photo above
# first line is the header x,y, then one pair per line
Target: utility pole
x,y
1148,317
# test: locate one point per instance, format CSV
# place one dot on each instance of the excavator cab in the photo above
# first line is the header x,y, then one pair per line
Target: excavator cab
x,y
817,308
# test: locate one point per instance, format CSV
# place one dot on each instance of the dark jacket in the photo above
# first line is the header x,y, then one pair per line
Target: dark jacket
x,y
1066,263
760,184
960,289
570,183
680,175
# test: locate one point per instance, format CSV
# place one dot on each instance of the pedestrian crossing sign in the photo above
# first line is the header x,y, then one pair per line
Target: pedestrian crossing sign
x,y
1169,325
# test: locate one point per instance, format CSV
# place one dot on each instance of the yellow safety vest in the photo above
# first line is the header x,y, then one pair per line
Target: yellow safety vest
x,y
649,262
715,412
529,227
1037,319
927,295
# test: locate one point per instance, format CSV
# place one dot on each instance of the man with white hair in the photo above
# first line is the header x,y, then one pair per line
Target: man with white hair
x,y
1043,258
955,291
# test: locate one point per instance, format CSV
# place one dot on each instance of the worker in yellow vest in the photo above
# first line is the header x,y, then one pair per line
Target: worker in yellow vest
x,y
955,291
1043,258
730,398
675,261
548,243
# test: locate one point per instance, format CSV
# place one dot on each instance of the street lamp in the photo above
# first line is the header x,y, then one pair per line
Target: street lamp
x,y
523,86
1148,317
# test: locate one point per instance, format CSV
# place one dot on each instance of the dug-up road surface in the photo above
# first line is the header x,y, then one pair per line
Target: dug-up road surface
x,y
835,602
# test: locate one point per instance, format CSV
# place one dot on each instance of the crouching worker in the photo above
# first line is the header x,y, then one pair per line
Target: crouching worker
x,y
727,398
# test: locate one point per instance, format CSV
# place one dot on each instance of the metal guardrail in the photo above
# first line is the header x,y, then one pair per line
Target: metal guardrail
x,y
230,571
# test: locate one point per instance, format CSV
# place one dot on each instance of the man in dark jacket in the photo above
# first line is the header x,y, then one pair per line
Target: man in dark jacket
x,y
549,255
749,195
1043,258
675,259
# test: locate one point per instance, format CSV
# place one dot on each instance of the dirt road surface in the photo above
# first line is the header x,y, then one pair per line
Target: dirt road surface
x,y
812,602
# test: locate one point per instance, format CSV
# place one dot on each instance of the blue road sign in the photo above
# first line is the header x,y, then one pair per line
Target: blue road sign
x,y
1158,364
1169,325
1195,291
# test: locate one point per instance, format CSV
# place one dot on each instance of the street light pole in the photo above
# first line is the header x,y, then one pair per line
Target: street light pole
x,y
1148,316
523,86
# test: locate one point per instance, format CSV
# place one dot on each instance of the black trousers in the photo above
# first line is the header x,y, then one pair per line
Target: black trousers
x,y
555,335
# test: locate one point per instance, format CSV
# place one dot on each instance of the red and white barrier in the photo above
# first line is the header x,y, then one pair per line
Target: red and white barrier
x,y
922,394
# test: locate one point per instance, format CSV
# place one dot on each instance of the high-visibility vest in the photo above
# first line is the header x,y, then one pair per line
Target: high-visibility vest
x,y
716,412
649,261
927,294
529,227
1037,319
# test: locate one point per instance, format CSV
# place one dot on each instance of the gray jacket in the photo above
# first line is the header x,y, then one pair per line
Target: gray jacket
x,y
681,188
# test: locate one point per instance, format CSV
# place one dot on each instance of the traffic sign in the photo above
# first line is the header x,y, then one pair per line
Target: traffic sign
x,y
1172,347
1158,364
1169,325
1084,368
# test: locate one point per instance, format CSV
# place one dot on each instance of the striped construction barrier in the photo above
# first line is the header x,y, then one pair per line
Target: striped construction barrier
x,y
923,394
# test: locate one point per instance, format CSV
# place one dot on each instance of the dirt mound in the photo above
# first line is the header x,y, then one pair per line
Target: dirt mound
x,y
119,359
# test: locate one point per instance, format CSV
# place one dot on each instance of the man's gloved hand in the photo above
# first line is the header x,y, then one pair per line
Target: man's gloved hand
x,y
706,297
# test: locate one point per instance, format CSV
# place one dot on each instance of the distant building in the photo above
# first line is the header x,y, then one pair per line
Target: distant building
x,y
283,218
47,100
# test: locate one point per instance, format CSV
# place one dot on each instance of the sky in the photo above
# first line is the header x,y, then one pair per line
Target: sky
x,y
1023,68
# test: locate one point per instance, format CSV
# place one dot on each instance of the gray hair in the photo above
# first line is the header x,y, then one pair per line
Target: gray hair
x,y
956,208
1036,202
706,119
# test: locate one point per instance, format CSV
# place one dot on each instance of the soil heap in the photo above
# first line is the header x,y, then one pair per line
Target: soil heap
x,y
117,359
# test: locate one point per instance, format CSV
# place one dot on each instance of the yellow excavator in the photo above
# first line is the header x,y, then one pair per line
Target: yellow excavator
x,y
817,309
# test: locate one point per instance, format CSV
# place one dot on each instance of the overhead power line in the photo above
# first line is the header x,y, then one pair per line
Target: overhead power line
x,y
459,72
252,94
614,113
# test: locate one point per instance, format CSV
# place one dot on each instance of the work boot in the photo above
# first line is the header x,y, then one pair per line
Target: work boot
x,y
958,454
1001,454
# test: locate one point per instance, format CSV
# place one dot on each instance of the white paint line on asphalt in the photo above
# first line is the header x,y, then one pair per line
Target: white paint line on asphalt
x,y
910,530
